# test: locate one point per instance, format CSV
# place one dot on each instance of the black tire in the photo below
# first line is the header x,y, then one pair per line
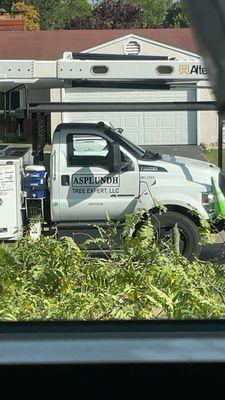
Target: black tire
x,y
189,234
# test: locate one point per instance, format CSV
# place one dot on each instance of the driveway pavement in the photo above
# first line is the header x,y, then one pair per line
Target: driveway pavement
x,y
215,252
190,151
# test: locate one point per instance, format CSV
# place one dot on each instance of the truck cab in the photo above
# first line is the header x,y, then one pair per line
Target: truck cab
x,y
97,172
91,175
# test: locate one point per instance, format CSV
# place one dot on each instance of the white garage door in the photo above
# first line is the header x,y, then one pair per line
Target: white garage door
x,y
143,128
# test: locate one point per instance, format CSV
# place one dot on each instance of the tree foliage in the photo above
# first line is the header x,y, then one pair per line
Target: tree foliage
x,y
46,11
105,14
110,14
29,14
154,11
6,4
54,13
176,17
50,279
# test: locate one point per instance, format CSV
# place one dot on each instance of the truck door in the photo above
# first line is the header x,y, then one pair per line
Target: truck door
x,y
86,189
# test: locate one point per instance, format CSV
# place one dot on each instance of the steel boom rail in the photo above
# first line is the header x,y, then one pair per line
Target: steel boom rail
x,y
127,106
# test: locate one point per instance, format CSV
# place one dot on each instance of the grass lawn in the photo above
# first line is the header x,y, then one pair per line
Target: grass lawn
x,y
16,144
211,156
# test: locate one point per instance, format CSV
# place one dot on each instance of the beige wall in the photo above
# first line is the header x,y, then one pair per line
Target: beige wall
x,y
56,118
146,48
207,120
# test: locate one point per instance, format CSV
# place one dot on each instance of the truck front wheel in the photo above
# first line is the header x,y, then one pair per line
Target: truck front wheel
x,y
189,238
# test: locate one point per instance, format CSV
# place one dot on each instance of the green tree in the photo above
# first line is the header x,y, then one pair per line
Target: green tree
x,y
72,8
154,11
54,13
6,4
46,10
176,17
29,14
110,14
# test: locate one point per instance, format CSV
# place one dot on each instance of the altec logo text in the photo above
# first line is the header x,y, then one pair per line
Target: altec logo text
x,y
185,69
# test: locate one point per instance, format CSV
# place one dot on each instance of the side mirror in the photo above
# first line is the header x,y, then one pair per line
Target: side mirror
x,y
114,158
120,130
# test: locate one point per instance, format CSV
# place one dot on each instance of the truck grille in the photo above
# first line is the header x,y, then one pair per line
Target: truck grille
x,y
222,181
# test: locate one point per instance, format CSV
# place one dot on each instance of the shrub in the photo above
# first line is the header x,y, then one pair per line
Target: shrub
x,y
49,279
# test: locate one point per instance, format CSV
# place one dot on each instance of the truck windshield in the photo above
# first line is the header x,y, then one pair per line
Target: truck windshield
x,y
134,149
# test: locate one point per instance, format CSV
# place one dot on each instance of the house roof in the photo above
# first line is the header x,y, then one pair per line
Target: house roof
x,y
50,45
12,25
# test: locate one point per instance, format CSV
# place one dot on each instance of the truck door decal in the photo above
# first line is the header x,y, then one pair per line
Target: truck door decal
x,y
89,184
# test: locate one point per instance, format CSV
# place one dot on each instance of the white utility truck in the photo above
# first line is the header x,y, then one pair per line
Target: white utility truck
x,y
94,170
110,175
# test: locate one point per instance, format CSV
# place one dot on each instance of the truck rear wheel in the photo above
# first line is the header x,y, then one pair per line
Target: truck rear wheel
x,y
189,242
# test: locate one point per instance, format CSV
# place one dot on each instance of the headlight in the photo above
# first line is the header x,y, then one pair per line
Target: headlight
x,y
208,202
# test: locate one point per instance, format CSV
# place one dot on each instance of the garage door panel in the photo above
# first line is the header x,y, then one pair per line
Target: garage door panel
x,y
133,123
164,138
127,95
115,119
182,120
151,137
150,131
133,120
167,122
111,96
150,120
144,128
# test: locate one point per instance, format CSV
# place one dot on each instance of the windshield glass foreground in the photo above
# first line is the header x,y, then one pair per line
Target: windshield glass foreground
x,y
89,233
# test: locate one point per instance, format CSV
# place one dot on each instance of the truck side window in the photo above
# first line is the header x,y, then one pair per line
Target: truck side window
x,y
86,150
